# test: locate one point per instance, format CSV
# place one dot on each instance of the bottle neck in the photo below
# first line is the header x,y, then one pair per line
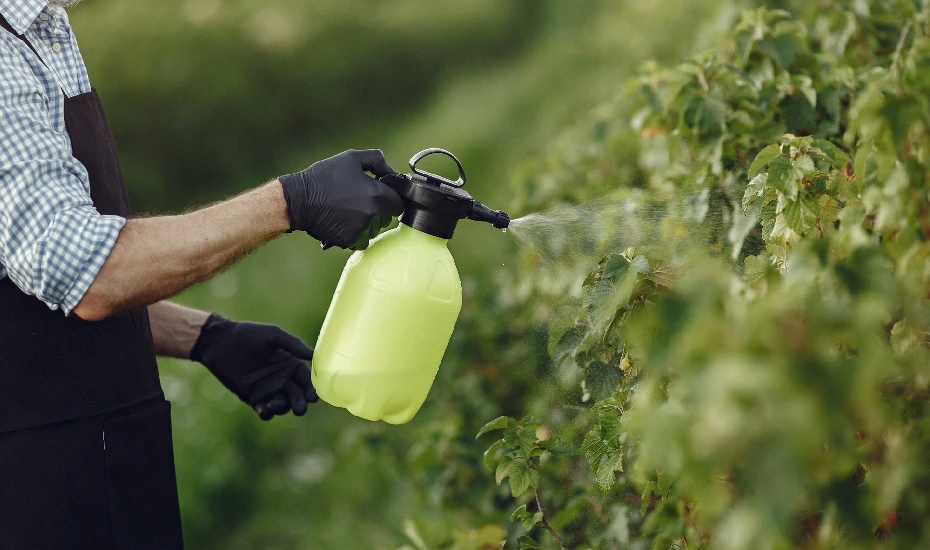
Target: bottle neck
x,y
436,222
415,233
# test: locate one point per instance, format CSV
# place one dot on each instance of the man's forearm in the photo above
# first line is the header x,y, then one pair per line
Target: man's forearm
x,y
175,328
156,258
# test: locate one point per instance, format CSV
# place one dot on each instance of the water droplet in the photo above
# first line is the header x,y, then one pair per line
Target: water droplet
x,y
504,230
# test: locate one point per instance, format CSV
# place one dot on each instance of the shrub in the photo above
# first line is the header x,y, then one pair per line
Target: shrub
x,y
749,370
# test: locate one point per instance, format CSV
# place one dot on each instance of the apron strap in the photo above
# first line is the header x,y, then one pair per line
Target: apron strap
x,y
9,28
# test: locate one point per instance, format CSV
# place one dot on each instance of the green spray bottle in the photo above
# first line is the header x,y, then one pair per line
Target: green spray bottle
x,y
396,303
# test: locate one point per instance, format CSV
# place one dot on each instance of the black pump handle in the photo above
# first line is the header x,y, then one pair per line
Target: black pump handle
x,y
426,152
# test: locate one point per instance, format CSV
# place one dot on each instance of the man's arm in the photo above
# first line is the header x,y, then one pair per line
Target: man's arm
x,y
155,258
333,201
175,328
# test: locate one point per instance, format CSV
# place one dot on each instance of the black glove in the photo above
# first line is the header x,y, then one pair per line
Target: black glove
x,y
262,364
335,202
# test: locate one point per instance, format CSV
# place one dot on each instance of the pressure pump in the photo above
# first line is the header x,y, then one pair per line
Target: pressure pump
x,y
396,303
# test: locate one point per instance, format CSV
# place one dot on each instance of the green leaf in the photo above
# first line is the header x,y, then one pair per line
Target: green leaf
x,y
800,215
781,177
527,519
704,115
743,223
829,211
604,455
522,478
527,543
764,157
806,87
834,154
756,269
901,113
646,497
779,253
504,468
498,423
784,49
521,441
804,164
615,267
797,114
599,294
490,456
754,190
560,447
614,290
606,472
566,320
640,265
530,422
767,217
569,343
601,379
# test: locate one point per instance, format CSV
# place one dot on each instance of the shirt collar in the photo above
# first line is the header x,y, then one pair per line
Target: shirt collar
x,y
21,13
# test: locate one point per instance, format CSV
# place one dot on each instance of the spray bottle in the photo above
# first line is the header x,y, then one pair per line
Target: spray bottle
x,y
396,304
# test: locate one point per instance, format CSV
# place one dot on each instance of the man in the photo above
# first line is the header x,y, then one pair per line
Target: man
x,y
85,438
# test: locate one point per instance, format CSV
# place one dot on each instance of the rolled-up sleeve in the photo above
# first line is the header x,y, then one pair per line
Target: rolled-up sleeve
x,y
53,242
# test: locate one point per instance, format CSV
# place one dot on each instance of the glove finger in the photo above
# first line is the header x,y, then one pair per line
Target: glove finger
x,y
264,389
296,395
390,202
372,160
304,380
263,412
286,341
279,404
310,394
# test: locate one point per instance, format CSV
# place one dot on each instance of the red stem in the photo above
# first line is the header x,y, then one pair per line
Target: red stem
x,y
545,522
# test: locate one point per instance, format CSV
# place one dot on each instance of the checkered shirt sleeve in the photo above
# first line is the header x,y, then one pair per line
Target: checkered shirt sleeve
x,y
52,240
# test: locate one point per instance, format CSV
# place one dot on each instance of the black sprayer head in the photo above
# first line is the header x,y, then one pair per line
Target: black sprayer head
x,y
434,204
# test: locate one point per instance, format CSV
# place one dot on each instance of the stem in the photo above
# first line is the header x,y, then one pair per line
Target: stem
x,y
742,159
820,217
546,522
900,46
862,42
703,81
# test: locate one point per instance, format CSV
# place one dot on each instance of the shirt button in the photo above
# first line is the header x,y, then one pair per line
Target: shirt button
x,y
56,47
43,16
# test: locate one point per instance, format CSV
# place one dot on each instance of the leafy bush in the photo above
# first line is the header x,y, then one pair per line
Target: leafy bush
x,y
754,373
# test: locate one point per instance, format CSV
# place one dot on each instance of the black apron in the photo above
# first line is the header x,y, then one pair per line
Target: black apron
x,y
86,459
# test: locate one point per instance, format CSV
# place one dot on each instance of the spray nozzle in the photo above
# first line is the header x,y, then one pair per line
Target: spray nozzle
x,y
481,213
434,204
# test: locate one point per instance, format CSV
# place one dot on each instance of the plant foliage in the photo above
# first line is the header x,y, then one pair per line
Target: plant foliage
x,y
756,375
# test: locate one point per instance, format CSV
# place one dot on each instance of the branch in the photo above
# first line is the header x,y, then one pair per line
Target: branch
x,y
900,46
739,153
546,522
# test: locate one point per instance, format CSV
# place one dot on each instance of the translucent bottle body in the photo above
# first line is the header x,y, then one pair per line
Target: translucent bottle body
x,y
388,326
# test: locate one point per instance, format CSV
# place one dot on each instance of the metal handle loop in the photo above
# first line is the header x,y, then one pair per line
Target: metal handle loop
x,y
426,152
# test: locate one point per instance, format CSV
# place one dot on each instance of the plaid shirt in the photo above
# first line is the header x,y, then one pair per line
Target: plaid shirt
x,y
52,240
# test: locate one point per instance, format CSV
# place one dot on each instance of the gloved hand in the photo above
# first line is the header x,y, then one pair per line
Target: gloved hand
x,y
262,364
335,202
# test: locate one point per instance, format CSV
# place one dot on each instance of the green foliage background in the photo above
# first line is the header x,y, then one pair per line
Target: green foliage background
x,y
743,365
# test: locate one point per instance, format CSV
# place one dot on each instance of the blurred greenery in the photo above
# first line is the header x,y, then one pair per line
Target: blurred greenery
x,y
209,97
